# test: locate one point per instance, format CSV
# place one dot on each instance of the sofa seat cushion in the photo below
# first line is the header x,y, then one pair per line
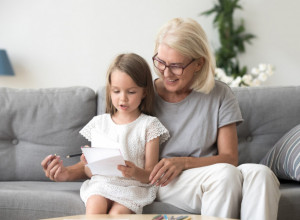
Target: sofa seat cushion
x,y
289,201
38,200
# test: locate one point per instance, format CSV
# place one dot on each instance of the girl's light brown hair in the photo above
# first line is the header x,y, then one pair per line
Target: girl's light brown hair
x,y
139,71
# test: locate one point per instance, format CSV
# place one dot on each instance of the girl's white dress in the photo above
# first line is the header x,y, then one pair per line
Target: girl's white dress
x,y
132,138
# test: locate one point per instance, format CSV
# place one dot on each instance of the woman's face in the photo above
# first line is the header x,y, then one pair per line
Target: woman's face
x,y
172,82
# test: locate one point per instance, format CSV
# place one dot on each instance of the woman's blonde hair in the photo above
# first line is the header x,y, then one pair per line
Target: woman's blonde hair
x,y
188,38
139,71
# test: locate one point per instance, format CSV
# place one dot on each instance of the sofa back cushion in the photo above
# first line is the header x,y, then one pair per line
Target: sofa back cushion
x,y
268,113
37,122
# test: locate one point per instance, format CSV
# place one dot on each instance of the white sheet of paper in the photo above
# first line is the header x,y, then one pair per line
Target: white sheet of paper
x,y
101,140
104,161
104,156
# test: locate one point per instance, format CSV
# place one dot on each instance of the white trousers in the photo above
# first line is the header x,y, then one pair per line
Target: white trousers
x,y
249,191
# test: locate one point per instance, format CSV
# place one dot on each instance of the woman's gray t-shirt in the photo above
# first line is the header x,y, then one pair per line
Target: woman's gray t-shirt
x,y
193,122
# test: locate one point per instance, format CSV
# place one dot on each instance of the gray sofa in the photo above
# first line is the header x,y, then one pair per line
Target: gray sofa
x,y
36,123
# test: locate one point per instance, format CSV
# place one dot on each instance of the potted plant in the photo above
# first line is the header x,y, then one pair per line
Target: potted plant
x,y
233,39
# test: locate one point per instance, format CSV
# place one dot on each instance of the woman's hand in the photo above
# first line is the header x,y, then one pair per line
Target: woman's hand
x,y
166,170
54,168
128,171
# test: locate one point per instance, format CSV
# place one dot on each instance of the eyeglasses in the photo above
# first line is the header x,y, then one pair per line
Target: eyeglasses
x,y
176,69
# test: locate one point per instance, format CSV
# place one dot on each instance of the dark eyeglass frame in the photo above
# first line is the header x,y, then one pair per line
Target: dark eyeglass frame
x,y
162,62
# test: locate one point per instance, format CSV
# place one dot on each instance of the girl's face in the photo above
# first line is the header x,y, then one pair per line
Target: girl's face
x,y
126,96
172,82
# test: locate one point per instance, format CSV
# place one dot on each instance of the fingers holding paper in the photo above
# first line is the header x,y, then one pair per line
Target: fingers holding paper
x,y
129,170
135,172
87,170
83,159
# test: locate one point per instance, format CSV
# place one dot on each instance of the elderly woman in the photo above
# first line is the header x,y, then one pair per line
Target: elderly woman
x,y
198,168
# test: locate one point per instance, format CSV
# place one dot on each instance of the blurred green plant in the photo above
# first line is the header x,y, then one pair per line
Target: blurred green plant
x,y
232,37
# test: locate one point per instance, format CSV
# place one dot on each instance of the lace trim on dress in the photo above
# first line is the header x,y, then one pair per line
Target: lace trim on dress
x,y
86,130
156,129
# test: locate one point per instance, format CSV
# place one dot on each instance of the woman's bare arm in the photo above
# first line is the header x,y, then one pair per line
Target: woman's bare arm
x,y
168,168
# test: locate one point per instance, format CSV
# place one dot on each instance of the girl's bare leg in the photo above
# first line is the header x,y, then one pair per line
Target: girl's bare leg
x,y
97,204
117,208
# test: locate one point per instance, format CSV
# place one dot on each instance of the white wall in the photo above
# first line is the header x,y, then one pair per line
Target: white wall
x,y
57,43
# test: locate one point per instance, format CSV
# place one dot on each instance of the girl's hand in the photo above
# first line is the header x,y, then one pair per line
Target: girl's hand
x,y
129,170
54,168
166,170
87,170
82,159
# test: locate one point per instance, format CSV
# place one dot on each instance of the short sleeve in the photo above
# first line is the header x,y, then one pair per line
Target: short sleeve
x,y
156,129
229,110
86,130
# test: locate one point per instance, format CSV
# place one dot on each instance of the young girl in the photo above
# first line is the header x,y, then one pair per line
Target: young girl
x,y
129,102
